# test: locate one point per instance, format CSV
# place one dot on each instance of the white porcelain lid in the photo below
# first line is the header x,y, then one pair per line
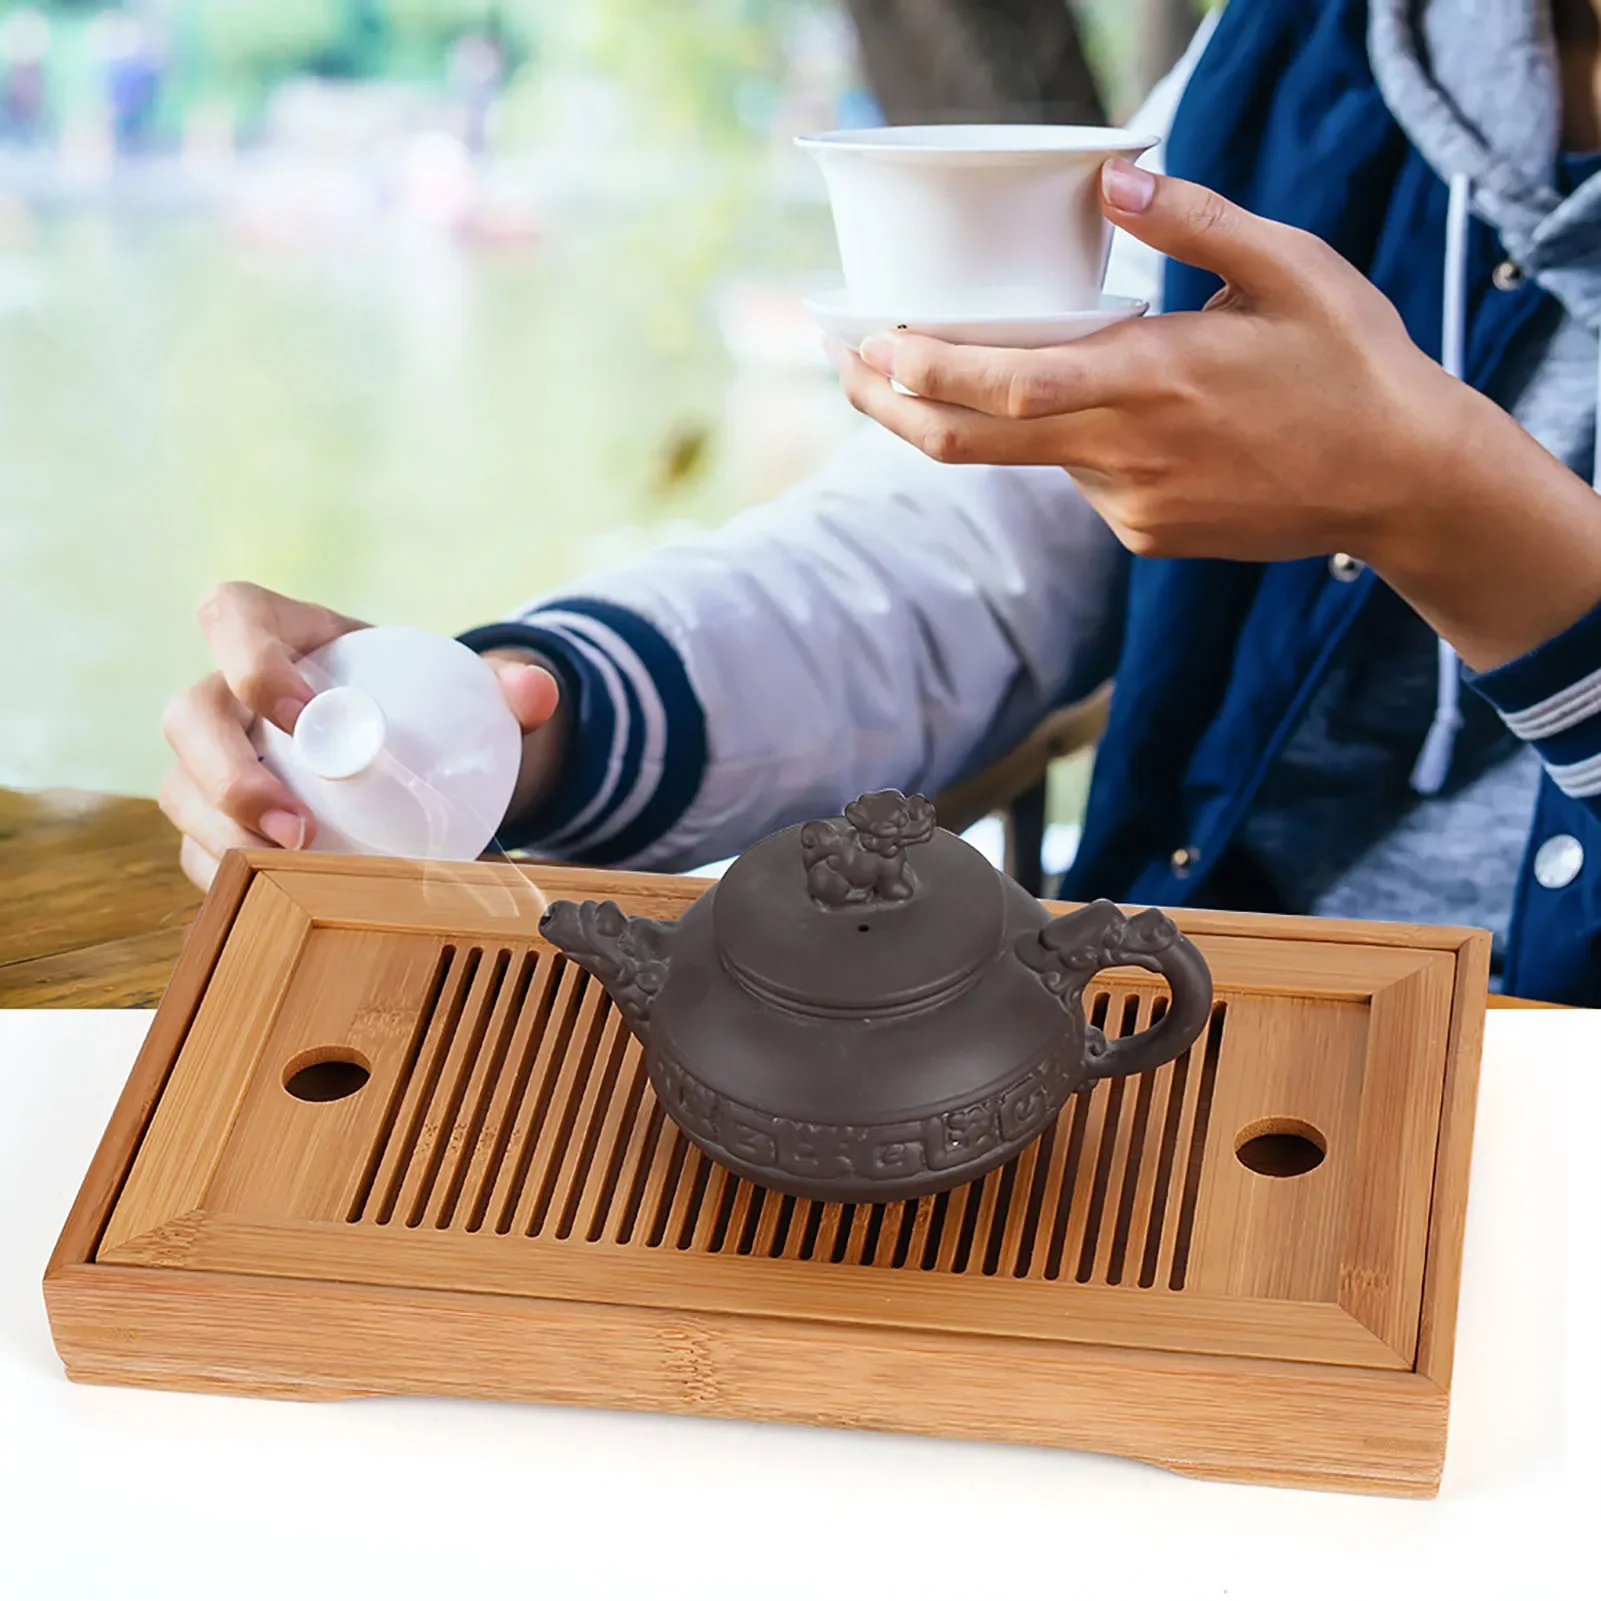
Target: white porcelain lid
x,y
407,749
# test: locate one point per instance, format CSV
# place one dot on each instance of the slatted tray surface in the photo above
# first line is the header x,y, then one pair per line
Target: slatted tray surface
x,y
367,1075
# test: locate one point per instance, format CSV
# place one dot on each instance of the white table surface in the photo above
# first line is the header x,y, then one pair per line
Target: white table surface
x,y
125,1493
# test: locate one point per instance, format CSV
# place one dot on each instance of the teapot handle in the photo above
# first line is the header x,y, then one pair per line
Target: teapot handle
x,y
1070,951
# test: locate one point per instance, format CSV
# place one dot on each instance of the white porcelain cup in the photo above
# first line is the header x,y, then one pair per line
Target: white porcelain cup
x,y
975,221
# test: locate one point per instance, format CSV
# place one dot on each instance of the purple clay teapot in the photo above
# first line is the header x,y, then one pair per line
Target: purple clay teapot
x,y
863,1009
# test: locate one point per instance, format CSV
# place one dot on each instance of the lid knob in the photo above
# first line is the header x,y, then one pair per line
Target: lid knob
x,y
860,858
828,918
340,732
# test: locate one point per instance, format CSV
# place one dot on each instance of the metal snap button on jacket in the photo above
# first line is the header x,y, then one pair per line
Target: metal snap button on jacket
x,y
1558,861
1345,568
1507,275
1183,859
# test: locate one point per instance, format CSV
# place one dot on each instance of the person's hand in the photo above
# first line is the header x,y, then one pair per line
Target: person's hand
x,y
1291,417
219,795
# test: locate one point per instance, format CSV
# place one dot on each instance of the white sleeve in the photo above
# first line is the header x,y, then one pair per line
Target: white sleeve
x,y
891,621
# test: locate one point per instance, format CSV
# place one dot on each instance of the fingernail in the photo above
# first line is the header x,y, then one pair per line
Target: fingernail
x,y
521,679
284,828
287,713
878,351
1125,186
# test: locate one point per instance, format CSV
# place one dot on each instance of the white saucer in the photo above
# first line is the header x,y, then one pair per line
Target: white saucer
x,y
834,314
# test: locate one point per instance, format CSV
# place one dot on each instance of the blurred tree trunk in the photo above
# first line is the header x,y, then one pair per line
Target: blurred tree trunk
x,y
941,61
1163,30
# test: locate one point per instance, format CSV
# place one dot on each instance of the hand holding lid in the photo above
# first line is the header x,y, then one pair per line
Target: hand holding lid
x,y
407,749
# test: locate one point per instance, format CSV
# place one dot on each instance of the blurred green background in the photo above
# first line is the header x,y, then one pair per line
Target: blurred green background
x,y
410,306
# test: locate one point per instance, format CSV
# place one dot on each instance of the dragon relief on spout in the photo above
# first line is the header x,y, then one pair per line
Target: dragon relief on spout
x,y
629,955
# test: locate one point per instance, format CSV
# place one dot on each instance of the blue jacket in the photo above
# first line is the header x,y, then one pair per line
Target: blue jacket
x,y
1219,659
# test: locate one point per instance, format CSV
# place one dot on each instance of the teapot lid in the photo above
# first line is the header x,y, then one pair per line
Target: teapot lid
x,y
868,914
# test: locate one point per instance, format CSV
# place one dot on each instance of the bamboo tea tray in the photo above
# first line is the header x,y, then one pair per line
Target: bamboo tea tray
x,y
382,1139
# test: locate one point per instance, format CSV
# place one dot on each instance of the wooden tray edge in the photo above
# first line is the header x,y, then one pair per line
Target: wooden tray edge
x,y
1241,1419
1442,1266
113,1158
589,880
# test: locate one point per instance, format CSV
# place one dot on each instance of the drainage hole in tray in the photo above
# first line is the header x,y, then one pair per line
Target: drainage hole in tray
x,y
1280,1147
320,1076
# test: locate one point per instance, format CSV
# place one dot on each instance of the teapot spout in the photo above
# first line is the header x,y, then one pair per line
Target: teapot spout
x,y
629,955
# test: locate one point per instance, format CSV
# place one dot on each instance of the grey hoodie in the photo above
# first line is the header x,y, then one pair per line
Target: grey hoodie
x,y
1475,86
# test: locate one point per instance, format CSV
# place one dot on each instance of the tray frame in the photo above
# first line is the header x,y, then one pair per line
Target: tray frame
x,y
1252,1419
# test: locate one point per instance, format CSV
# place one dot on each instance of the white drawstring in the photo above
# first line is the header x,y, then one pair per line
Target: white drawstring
x,y
1434,760
1595,447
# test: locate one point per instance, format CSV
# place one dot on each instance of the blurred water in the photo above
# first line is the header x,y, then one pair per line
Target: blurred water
x,y
408,428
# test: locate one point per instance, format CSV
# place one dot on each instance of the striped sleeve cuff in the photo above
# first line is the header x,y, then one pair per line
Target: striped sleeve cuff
x,y
1552,698
638,751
